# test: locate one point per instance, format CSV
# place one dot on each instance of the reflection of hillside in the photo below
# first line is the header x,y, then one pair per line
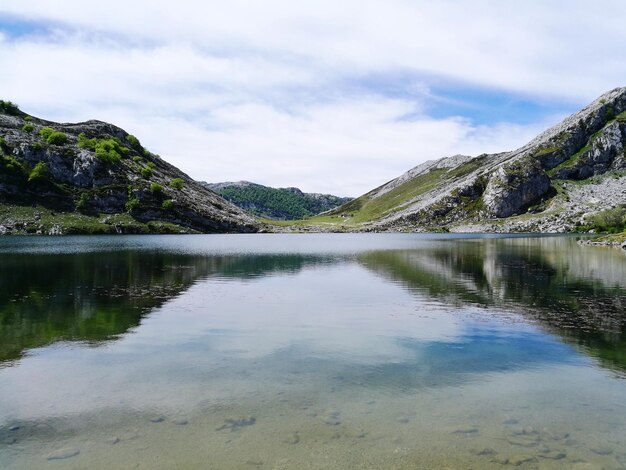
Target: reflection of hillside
x,y
579,294
98,296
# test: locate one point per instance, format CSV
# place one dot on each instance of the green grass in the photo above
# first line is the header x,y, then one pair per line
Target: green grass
x,y
77,223
546,151
365,209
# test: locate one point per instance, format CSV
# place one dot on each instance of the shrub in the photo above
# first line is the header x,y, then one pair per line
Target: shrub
x,y
11,164
57,138
45,132
177,183
137,158
167,204
28,118
134,142
156,188
151,165
53,137
610,220
146,173
28,127
4,147
9,108
132,204
83,200
107,151
39,172
86,143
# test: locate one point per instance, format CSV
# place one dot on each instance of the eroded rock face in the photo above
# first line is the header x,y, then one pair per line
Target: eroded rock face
x,y
514,187
75,178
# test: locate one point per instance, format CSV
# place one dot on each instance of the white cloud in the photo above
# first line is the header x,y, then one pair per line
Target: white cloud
x,y
265,90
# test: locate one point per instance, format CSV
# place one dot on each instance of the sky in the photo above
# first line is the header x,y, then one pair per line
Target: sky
x,y
329,96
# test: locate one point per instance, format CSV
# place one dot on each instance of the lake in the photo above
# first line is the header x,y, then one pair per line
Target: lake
x,y
333,351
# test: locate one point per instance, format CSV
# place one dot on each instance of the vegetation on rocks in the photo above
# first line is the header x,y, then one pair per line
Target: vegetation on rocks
x,y
77,178
275,203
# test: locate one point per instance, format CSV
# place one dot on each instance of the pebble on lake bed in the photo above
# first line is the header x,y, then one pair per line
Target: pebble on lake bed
x,y
64,453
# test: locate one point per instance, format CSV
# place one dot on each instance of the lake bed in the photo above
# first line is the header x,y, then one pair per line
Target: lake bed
x,y
336,351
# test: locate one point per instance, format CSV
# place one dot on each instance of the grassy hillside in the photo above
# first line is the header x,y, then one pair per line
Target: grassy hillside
x,y
94,177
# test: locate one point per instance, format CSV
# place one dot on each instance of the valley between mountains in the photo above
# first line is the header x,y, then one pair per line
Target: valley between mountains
x,y
94,177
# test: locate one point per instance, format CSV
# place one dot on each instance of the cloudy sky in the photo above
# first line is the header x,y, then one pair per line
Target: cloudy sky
x,y
332,96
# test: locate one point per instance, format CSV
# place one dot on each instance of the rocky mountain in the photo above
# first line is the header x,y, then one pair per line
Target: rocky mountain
x,y
94,177
551,184
276,203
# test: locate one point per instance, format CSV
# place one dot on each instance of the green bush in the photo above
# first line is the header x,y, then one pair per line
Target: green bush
x,y
53,137
137,158
28,127
146,173
57,138
177,183
4,147
151,165
132,204
86,143
28,118
107,150
9,108
156,188
167,204
83,201
11,164
45,132
134,142
39,172
610,220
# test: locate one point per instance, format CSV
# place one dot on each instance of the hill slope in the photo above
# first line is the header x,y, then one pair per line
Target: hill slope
x,y
94,177
276,203
551,184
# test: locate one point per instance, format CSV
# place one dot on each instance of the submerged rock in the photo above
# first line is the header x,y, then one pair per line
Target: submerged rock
x,y
64,453
234,424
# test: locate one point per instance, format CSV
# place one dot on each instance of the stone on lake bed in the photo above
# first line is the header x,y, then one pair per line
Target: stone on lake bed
x,y
483,451
332,420
14,428
510,421
464,430
64,453
403,419
235,424
157,419
180,422
553,455
524,441
601,450
519,459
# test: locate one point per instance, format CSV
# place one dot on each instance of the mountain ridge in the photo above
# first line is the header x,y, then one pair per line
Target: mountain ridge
x,y
519,190
94,177
275,203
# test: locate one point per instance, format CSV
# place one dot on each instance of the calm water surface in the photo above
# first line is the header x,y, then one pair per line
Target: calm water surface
x,y
311,351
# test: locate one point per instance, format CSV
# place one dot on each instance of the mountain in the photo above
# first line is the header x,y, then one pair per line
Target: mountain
x,y
276,203
551,184
94,177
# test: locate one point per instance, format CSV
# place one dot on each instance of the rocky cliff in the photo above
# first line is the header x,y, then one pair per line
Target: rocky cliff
x,y
94,177
550,185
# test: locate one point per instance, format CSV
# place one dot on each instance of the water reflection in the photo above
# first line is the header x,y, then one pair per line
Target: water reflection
x,y
95,296
577,293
